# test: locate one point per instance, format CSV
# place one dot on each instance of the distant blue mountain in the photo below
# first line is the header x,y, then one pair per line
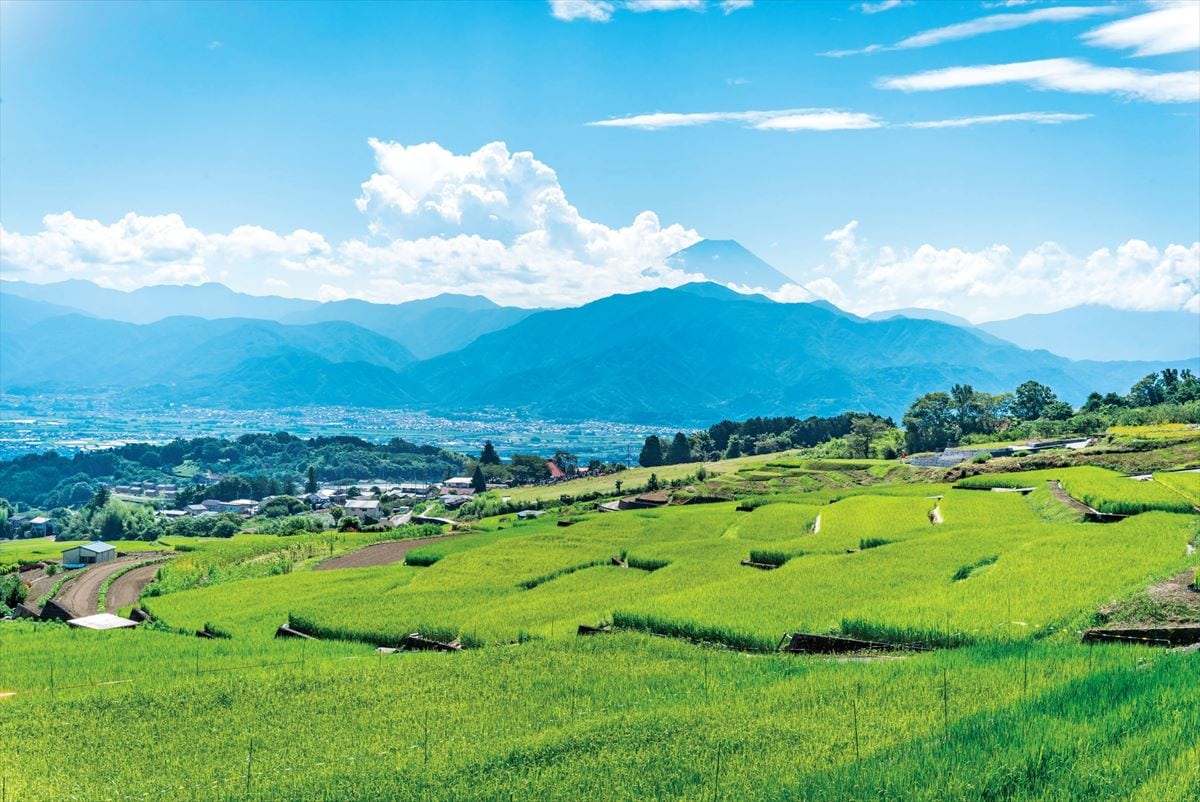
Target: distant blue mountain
x,y
686,357
726,261
916,313
1097,332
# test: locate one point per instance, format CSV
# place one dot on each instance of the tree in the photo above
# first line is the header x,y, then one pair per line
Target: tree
x,y
619,483
929,423
477,481
566,461
489,456
735,449
100,499
1147,392
651,456
1031,400
965,406
310,485
679,450
863,431
652,483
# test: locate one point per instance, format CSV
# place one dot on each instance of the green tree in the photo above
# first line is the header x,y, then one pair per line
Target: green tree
x,y
863,432
652,454
310,485
679,450
652,483
929,423
489,456
477,481
734,450
1032,399
1148,392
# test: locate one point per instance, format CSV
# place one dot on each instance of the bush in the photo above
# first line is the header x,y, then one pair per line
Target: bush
x,y
872,542
768,557
979,459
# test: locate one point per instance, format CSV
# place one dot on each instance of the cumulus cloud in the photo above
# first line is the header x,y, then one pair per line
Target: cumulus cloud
x,y
1061,74
982,26
491,222
818,120
981,284
1174,28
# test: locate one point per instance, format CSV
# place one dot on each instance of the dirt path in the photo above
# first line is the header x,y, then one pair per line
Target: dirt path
x,y
1056,490
127,588
82,593
393,551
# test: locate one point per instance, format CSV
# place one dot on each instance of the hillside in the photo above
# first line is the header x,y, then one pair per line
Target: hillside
x,y
427,327
230,361
148,304
1103,333
677,355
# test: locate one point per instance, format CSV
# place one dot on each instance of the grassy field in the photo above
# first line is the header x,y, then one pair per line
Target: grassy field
x,y
44,548
1019,710
621,717
1158,431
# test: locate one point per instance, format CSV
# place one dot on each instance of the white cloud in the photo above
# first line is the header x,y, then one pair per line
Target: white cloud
x,y
879,6
730,6
592,10
642,6
603,10
818,120
490,222
1174,28
993,23
1062,74
986,283
1039,117
215,45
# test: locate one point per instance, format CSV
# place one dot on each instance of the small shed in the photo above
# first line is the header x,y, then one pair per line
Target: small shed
x,y
89,554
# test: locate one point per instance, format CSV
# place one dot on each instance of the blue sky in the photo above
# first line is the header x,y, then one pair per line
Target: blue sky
x,y
185,142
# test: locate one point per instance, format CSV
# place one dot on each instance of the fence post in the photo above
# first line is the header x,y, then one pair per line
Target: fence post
x,y
249,766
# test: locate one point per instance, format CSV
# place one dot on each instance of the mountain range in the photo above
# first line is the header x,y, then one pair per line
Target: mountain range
x,y
691,354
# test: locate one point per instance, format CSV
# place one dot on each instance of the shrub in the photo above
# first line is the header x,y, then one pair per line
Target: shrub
x,y
769,557
872,542
643,564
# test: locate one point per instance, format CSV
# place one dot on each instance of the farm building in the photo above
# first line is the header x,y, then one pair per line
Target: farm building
x,y
101,621
89,553
363,508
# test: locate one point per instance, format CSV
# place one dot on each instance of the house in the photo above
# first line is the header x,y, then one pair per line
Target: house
x,y
41,526
555,471
458,482
413,488
363,508
89,554
196,509
241,506
173,514
453,501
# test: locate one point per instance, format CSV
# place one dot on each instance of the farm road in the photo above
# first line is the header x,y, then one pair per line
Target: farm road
x,y
393,551
82,594
127,588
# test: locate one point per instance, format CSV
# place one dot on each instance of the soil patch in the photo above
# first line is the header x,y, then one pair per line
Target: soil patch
x,y
127,588
82,594
393,551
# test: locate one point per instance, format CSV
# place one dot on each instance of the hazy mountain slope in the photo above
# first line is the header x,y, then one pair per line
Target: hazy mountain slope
x,y
1103,333
79,352
17,313
917,313
148,304
427,327
672,355
728,262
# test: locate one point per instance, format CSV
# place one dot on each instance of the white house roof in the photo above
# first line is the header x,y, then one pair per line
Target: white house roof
x,y
97,547
102,621
360,504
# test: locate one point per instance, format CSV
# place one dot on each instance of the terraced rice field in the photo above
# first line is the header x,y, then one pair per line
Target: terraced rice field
x,y
1016,710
